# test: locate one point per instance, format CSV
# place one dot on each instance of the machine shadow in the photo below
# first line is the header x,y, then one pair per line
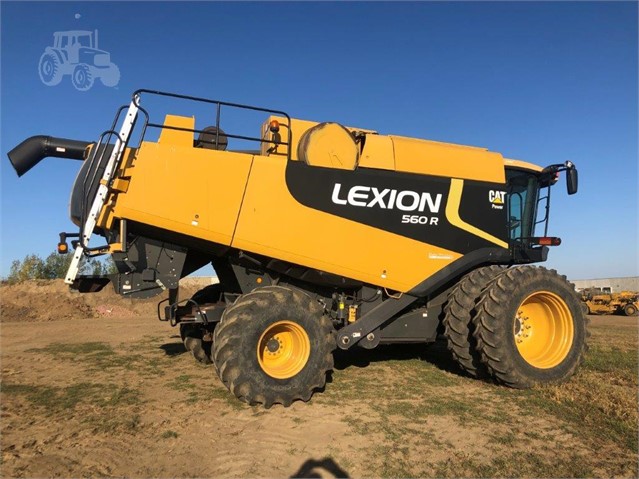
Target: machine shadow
x,y
313,468
173,349
435,353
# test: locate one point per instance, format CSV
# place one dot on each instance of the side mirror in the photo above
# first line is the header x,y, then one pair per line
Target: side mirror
x,y
572,179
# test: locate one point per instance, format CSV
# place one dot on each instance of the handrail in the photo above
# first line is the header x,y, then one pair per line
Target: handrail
x,y
219,104
228,135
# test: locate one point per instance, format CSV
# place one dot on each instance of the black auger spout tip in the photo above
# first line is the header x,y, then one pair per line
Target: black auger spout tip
x,y
32,150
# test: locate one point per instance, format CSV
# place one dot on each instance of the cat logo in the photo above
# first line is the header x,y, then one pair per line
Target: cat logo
x,y
496,199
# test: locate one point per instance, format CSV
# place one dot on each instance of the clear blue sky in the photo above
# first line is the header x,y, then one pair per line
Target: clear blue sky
x,y
541,82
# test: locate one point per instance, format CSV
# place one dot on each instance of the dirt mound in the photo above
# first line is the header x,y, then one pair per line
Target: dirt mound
x,y
51,300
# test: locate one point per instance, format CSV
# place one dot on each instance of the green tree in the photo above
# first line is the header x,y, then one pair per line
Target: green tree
x,y
31,267
56,266
98,266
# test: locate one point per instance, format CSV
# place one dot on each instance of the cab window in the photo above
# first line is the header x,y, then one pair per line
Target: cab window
x,y
522,196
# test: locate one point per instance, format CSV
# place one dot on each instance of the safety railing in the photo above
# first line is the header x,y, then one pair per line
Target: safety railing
x,y
219,105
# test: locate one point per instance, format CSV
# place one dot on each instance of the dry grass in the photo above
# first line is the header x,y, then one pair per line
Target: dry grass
x,y
404,411
553,431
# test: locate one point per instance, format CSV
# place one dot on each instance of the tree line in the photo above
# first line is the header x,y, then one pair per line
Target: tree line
x,y
55,266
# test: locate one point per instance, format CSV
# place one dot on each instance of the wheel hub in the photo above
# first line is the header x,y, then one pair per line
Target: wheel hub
x,y
523,328
283,349
273,345
543,330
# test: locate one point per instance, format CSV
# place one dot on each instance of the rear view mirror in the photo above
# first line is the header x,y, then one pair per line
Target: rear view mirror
x,y
572,179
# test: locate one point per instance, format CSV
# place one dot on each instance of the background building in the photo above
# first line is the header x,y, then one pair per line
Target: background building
x,y
612,285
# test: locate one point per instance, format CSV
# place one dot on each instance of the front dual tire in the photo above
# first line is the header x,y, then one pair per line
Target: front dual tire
x,y
459,312
530,328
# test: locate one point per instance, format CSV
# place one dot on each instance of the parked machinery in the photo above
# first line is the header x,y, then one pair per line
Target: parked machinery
x,y
596,302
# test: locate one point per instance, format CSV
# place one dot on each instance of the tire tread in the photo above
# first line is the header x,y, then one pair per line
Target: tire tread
x,y
492,326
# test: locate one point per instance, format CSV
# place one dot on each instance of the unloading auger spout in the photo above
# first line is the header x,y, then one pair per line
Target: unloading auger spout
x,y
34,149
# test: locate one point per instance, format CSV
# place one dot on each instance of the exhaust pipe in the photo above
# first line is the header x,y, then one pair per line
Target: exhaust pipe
x,y
32,150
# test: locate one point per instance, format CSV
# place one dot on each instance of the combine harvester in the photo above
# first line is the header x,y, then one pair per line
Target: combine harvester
x,y
322,237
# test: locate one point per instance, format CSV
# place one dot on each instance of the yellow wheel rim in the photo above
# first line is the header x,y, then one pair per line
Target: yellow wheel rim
x,y
283,349
543,330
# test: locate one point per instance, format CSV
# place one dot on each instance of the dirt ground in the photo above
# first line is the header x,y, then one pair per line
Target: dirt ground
x,y
93,385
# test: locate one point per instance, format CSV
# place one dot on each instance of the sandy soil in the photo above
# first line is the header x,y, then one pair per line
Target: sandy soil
x,y
96,386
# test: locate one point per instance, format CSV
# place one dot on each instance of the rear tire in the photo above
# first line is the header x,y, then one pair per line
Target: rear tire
x,y
273,345
630,310
197,337
459,312
209,294
193,339
530,327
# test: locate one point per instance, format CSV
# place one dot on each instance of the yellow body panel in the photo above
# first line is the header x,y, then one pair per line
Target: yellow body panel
x,y
447,160
178,137
523,165
120,184
242,200
194,191
410,155
378,153
274,224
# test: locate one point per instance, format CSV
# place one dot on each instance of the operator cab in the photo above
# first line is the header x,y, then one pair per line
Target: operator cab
x,y
528,206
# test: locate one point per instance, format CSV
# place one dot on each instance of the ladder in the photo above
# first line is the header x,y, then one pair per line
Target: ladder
x,y
103,190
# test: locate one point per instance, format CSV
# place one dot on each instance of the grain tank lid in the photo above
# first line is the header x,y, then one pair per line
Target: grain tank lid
x,y
447,160
329,145
298,128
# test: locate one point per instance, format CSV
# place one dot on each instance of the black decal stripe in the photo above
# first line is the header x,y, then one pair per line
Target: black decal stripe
x,y
476,208
313,187
452,214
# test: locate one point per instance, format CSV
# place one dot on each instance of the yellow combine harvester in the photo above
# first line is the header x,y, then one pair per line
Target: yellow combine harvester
x,y
322,237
